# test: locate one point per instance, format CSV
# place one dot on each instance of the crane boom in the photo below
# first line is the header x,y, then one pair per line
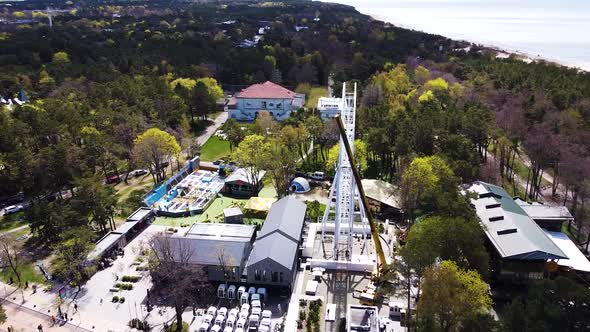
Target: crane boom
x,y
357,179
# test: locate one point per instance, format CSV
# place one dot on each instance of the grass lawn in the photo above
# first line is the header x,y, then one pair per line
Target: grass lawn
x,y
145,183
268,191
12,221
215,148
314,95
28,272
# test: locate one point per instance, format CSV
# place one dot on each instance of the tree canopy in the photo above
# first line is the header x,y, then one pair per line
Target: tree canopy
x,y
450,297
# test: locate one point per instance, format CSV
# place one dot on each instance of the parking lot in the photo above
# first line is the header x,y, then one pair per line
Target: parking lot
x,y
95,301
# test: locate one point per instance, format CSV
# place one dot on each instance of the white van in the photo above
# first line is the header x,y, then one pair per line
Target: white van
x,y
256,304
13,209
204,327
219,320
231,322
253,321
241,291
240,324
395,309
265,322
231,292
221,291
318,176
244,299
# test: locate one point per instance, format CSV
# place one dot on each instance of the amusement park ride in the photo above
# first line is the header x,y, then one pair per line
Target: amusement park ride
x,y
342,224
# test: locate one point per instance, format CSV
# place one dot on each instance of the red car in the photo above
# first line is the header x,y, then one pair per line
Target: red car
x,y
113,179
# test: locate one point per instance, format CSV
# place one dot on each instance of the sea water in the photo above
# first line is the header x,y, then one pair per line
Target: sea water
x,y
550,29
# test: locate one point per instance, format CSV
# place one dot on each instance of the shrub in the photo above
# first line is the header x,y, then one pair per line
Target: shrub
x,y
139,324
302,315
115,299
130,278
172,328
122,299
124,286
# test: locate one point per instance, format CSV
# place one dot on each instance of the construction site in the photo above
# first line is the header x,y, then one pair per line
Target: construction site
x,y
347,249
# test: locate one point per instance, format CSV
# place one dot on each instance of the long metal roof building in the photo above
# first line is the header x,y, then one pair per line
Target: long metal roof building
x,y
508,227
279,237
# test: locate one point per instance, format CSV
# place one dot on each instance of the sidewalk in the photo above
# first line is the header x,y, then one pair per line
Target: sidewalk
x,y
37,308
24,319
218,122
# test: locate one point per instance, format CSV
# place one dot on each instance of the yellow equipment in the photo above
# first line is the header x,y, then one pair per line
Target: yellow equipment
x,y
357,179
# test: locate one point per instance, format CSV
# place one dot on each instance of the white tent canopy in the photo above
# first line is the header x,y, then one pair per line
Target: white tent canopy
x,y
299,185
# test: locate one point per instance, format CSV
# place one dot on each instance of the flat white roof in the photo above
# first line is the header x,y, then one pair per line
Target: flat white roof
x,y
577,260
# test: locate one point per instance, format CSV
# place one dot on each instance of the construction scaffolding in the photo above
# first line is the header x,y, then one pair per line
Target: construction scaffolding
x,y
340,220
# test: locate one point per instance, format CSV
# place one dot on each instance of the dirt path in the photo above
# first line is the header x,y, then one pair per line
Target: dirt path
x,y
14,230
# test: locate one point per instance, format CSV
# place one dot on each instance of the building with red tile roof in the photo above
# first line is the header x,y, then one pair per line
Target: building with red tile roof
x,y
268,97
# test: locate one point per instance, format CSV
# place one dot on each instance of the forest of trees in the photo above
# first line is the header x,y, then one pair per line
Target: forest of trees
x,y
115,86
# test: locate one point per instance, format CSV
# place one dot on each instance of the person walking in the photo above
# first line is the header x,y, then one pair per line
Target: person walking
x,y
40,328
76,307
53,319
66,316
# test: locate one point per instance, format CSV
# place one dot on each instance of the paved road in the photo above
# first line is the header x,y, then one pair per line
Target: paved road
x,y
218,122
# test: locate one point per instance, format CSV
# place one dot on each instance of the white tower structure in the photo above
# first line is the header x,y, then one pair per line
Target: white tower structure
x,y
339,216
49,17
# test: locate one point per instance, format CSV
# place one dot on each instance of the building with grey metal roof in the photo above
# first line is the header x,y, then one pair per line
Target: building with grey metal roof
x,y
222,248
508,227
546,216
273,260
285,216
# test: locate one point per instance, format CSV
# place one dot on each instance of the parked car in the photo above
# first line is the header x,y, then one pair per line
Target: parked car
x,y
318,176
13,199
138,172
299,174
113,179
219,162
13,209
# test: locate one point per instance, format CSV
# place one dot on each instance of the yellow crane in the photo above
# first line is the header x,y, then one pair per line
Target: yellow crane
x,y
357,179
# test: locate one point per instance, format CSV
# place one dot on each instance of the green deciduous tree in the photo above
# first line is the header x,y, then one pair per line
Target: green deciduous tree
x,y
154,147
254,153
70,263
450,297
95,200
360,157
458,239
424,177
60,58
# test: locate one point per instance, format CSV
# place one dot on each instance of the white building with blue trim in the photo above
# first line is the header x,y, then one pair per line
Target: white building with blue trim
x,y
269,97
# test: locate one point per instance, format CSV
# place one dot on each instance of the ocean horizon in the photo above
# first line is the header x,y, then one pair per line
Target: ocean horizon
x,y
555,31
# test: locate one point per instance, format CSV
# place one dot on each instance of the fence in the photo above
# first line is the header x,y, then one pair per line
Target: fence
x,y
155,195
